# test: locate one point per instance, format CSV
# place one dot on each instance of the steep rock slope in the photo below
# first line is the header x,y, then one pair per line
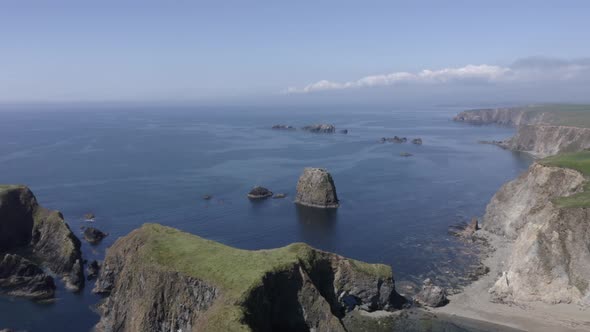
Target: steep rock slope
x,y
503,116
24,224
542,141
550,259
160,279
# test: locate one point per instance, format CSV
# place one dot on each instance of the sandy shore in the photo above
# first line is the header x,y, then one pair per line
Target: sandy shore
x,y
476,303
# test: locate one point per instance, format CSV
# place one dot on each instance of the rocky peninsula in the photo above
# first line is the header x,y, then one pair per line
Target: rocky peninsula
x,y
158,278
25,226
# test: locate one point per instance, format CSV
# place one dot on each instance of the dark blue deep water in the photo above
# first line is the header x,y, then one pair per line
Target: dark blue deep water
x,y
131,166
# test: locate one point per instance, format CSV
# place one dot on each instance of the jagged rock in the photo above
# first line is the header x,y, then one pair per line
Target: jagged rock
x,y
431,295
283,127
417,141
92,270
394,139
277,196
405,154
294,288
94,235
89,216
259,193
316,188
21,277
471,228
23,222
320,128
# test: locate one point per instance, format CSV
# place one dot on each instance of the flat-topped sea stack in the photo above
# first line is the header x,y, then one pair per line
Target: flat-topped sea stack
x,y
161,279
320,128
316,188
25,226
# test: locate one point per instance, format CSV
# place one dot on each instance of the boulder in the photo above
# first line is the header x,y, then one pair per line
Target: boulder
x,y
89,216
431,295
21,277
92,270
259,193
344,131
94,235
320,128
417,141
316,188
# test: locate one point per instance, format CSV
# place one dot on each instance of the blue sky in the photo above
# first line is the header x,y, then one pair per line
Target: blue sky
x,y
213,50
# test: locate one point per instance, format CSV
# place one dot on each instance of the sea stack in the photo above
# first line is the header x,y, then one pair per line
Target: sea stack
x,y
316,189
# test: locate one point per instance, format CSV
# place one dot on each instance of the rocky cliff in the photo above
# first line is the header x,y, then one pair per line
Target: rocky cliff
x,y
503,116
544,140
160,279
537,131
24,224
550,258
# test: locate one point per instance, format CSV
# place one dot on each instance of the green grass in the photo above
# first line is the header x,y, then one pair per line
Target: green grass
x,y
236,272
575,115
579,161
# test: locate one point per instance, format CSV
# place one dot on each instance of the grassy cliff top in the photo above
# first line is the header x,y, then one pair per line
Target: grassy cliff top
x,y
230,268
579,161
234,271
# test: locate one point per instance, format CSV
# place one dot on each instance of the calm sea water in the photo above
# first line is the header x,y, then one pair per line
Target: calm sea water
x,y
131,166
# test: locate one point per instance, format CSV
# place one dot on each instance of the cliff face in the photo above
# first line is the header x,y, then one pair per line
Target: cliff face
x,y
550,258
502,116
535,134
542,141
161,279
24,223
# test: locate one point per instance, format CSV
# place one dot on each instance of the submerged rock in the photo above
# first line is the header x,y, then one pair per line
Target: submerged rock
x,y
316,188
320,128
343,131
89,216
294,288
24,223
92,270
283,127
259,193
405,154
417,141
94,235
431,295
21,277
278,196
207,197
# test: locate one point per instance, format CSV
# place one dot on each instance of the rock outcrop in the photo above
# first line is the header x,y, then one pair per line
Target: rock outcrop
x,y
394,139
320,128
24,223
21,277
94,235
503,116
259,193
283,127
550,258
316,188
161,279
544,140
431,295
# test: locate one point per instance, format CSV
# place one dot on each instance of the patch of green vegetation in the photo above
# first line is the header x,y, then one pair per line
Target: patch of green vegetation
x,y
574,115
579,161
235,271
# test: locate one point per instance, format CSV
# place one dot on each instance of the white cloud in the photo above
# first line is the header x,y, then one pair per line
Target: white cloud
x,y
523,70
